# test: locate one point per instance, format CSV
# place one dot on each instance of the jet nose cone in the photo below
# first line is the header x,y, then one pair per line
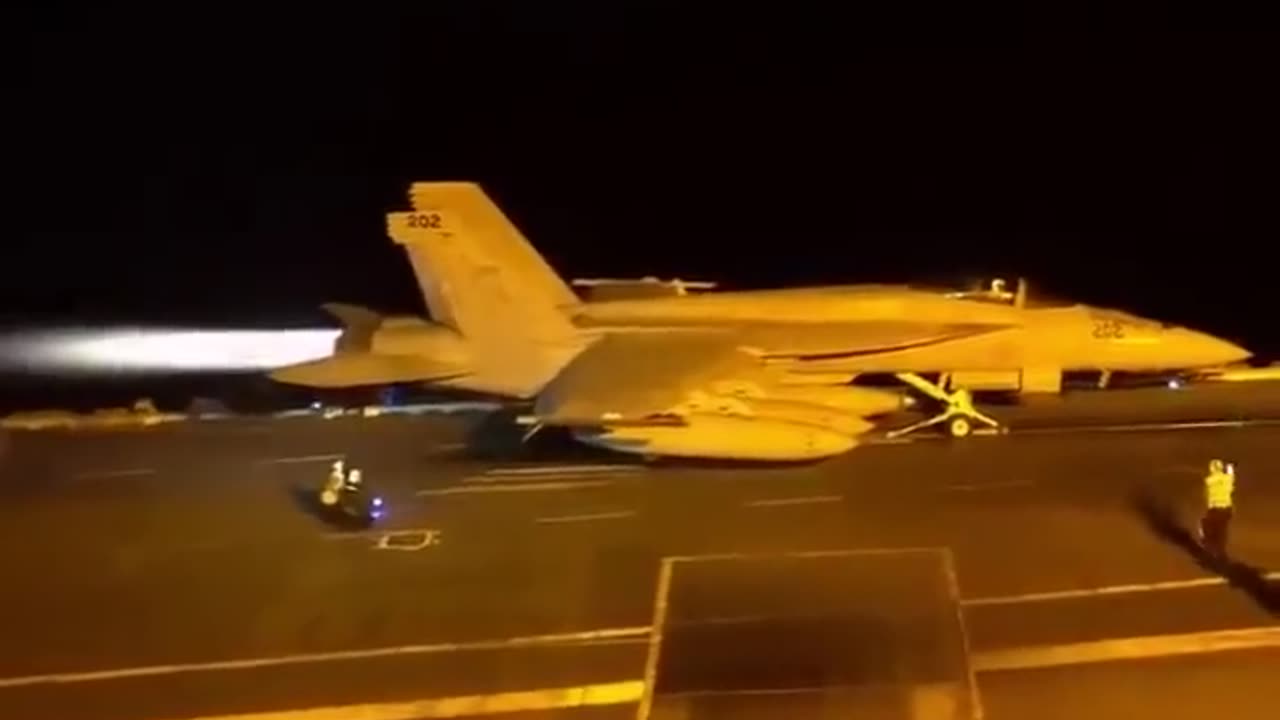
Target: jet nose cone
x,y
1202,350
1217,351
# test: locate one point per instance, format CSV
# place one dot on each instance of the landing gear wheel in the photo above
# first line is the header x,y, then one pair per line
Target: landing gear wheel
x,y
959,427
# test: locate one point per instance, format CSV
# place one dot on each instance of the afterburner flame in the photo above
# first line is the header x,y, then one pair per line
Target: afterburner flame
x,y
163,349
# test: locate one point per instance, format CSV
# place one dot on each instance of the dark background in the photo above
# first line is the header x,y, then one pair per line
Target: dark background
x,y
232,167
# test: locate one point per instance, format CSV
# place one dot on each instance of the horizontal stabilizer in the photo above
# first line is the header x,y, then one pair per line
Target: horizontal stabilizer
x,y
358,325
357,369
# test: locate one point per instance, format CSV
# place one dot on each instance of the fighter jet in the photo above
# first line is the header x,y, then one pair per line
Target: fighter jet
x,y
755,375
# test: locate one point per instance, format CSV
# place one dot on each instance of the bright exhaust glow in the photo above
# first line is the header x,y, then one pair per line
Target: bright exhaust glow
x,y
163,349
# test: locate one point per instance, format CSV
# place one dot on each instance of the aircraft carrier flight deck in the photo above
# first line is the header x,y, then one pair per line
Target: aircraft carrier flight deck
x,y
174,572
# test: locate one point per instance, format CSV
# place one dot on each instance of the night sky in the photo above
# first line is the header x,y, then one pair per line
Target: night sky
x,y
184,166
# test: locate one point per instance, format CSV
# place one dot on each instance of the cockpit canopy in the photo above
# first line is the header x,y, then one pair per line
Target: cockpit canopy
x,y
998,290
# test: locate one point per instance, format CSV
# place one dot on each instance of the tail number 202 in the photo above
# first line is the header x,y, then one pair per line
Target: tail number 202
x,y
1107,330
426,221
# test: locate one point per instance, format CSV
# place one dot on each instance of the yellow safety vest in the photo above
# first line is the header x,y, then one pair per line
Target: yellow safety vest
x,y
1218,488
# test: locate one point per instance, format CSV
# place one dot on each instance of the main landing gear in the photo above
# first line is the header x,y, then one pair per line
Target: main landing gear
x,y
958,414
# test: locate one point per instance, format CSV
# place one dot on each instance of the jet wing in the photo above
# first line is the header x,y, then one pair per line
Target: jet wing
x,y
636,378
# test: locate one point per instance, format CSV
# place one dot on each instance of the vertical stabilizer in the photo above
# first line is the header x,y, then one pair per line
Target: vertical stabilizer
x,y
479,276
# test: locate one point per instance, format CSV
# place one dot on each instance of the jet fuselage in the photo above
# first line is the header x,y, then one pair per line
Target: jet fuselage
x,y
1006,337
